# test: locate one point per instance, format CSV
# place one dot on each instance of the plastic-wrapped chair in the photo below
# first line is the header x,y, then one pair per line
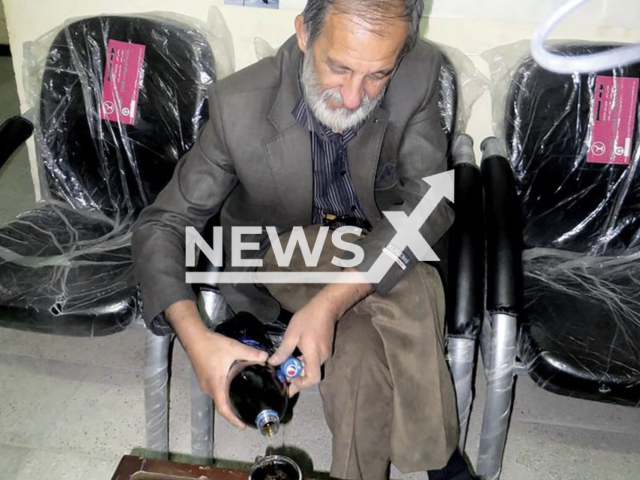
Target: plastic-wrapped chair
x,y
65,267
563,243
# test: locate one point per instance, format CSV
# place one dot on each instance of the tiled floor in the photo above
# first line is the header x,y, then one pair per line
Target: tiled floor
x,y
70,407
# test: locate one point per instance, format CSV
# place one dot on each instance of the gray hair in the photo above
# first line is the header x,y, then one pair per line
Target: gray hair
x,y
373,12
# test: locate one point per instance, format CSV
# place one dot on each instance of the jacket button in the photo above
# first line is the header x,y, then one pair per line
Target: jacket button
x,y
376,120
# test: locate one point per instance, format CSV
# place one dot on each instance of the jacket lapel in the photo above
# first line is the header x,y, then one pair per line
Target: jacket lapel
x,y
289,152
363,154
289,156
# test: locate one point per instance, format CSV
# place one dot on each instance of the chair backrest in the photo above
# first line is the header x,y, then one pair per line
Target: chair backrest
x,y
113,166
568,202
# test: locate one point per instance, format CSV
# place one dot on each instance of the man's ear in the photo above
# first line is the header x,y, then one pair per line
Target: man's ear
x,y
301,34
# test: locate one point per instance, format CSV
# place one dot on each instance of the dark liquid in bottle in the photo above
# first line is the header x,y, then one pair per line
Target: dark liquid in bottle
x,y
254,389
275,471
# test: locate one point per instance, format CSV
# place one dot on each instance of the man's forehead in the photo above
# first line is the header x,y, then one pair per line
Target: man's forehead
x,y
347,37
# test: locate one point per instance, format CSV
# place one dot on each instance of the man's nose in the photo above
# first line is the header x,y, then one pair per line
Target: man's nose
x,y
352,93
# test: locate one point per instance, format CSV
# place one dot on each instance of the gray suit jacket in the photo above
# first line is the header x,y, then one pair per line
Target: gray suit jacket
x,y
252,164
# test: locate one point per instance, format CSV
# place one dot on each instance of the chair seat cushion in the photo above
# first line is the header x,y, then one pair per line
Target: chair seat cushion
x,y
580,328
66,272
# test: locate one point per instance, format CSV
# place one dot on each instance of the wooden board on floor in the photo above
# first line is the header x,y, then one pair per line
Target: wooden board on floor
x,y
139,468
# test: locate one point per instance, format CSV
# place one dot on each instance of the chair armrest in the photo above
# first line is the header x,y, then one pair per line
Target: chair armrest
x,y
13,133
211,304
466,245
503,230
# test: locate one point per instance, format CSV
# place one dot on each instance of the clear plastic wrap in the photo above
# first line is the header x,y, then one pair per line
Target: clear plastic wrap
x,y
498,344
156,392
461,355
579,332
461,85
571,198
573,144
128,164
471,84
117,100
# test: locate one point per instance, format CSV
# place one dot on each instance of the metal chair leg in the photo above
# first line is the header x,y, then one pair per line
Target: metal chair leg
x,y
499,371
460,355
213,310
485,341
156,392
201,423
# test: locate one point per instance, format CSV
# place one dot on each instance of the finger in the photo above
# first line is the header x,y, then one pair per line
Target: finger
x,y
298,384
293,389
311,370
251,354
286,348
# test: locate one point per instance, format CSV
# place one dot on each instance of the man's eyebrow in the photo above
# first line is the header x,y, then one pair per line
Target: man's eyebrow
x,y
333,63
385,71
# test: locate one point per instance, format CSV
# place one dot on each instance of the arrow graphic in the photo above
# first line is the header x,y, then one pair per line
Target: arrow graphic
x,y
408,227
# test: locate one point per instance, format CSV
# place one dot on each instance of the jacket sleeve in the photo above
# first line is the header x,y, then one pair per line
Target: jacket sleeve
x,y
422,153
201,182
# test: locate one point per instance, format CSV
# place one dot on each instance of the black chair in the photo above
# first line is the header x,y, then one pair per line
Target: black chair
x,y
563,246
65,267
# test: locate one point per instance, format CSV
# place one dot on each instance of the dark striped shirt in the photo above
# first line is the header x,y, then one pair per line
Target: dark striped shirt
x,y
333,191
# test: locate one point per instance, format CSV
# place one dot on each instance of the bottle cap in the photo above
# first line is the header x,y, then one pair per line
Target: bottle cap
x,y
268,423
291,368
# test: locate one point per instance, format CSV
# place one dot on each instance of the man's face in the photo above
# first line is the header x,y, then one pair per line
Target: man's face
x,y
348,67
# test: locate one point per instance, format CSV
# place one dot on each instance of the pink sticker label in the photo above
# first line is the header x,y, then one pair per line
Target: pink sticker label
x,y
122,79
613,118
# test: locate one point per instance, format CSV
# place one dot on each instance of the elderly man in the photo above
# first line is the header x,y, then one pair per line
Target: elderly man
x,y
340,126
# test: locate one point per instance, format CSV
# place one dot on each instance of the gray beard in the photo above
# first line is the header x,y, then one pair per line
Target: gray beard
x,y
338,119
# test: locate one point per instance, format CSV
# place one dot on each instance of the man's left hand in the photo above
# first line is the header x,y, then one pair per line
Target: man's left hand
x,y
311,330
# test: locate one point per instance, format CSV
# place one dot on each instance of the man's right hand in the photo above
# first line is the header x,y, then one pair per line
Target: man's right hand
x,y
211,355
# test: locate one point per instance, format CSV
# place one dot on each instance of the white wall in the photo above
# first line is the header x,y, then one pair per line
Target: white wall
x,y
472,26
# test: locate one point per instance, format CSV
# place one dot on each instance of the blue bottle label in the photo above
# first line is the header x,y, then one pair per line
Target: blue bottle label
x,y
250,342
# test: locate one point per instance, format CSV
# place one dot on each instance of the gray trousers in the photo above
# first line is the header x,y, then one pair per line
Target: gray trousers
x,y
387,392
